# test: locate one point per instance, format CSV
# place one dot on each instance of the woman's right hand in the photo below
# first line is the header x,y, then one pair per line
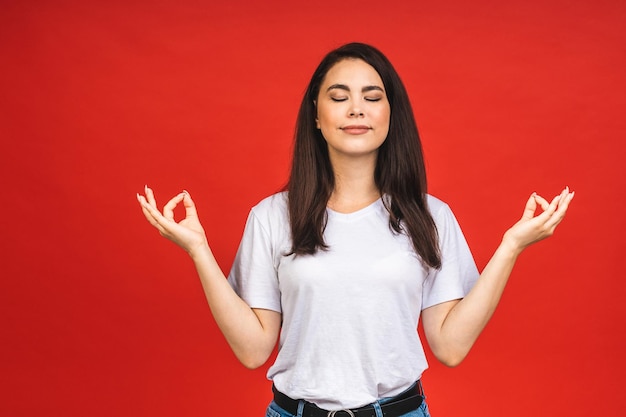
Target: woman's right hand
x,y
188,233
251,333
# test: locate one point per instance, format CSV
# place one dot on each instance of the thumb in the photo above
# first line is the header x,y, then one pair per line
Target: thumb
x,y
531,207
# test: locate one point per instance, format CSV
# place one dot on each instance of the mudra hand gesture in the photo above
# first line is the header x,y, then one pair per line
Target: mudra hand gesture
x,y
532,228
188,233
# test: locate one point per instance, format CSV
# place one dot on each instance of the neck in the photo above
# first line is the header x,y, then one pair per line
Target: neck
x,y
354,184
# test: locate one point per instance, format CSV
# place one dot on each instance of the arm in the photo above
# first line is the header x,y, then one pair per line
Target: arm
x,y
452,327
251,333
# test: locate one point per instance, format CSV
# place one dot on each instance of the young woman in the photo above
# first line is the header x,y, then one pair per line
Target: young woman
x,y
342,263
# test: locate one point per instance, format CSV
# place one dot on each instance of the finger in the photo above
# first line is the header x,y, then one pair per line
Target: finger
x,y
559,215
551,208
168,209
566,197
563,195
554,204
153,221
543,203
190,207
150,196
153,216
154,213
530,208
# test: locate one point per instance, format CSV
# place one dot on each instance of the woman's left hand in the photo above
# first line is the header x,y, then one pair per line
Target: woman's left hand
x,y
530,228
452,327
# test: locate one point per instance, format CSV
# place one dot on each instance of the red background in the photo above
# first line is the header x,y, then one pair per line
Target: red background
x,y
100,316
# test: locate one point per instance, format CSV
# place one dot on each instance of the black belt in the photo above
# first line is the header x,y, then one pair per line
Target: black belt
x,y
401,404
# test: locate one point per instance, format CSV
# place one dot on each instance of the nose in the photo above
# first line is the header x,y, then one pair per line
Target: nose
x,y
355,111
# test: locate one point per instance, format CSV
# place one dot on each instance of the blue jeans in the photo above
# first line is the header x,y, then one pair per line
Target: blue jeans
x,y
274,410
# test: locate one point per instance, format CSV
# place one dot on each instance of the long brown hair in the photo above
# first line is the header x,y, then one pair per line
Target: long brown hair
x,y
400,174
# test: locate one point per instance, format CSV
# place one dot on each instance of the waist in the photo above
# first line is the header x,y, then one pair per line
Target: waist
x,y
402,403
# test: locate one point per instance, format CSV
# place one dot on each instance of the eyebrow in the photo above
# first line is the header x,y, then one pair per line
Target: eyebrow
x,y
363,90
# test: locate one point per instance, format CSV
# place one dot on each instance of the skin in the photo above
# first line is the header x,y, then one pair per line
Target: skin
x,y
353,115
451,328
352,95
251,333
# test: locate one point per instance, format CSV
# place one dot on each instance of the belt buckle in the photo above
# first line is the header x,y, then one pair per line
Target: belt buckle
x,y
334,413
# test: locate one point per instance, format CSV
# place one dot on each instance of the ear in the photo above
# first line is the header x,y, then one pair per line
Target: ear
x,y
317,122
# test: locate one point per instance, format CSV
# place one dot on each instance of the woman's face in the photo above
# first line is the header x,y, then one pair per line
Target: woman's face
x,y
352,110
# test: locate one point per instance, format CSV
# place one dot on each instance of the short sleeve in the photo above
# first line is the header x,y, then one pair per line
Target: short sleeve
x,y
253,274
458,272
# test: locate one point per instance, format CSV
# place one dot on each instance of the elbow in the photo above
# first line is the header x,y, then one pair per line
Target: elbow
x,y
252,365
252,361
451,353
451,359
252,354
451,362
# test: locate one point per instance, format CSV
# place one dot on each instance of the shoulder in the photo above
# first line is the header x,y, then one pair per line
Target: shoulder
x,y
272,212
269,222
448,227
272,204
442,214
438,208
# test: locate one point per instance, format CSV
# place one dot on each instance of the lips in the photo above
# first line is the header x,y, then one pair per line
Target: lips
x,y
356,129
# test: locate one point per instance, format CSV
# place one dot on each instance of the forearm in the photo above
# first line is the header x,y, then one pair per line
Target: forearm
x,y
242,328
250,333
468,318
453,327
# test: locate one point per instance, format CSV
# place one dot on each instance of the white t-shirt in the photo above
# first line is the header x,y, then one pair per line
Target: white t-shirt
x,y
349,332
